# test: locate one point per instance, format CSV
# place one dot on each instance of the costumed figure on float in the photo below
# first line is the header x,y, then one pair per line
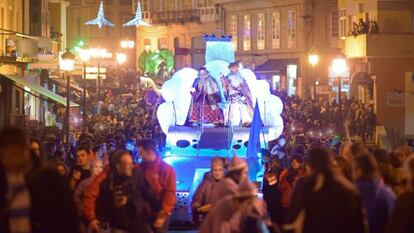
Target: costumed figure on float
x,y
206,97
239,107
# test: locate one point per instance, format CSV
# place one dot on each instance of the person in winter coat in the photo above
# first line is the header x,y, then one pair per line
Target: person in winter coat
x,y
31,200
161,178
96,168
327,202
237,172
120,196
272,193
201,201
401,220
229,214
377,199
82,170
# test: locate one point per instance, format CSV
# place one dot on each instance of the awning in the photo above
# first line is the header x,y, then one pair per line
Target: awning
x,y
274,65
62,83
34,87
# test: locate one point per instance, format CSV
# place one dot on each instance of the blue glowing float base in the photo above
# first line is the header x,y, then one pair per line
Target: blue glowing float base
x,y
191,162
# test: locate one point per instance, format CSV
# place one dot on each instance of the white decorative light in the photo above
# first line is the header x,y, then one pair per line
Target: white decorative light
x,y
100,20
127,44
137,20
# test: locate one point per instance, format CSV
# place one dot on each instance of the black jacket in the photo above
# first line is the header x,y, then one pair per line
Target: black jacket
x,y
134,216
52,208
333,205
402,218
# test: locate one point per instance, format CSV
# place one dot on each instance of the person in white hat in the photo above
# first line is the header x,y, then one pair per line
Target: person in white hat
x,y
237,173
232,212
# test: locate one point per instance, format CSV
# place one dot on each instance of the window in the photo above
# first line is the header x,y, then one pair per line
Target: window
x,y
178,5
233,30
334,23
247,34
291,20
276,30
261,31
168,5
204,3
78,26
342,23
162,43
145,5
147,44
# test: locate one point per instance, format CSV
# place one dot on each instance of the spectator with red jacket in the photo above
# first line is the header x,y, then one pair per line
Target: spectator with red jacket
x,y
161,178
119,190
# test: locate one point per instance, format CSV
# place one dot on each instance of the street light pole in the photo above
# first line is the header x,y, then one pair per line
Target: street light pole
x,y
84,55
314,82
67,109
341,121
84,94
340,67
67,64
313,60
99,79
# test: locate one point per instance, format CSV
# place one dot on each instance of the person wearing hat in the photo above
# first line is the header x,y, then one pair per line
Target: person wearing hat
x,y
234,212
201,201
240,105
237,173
205,100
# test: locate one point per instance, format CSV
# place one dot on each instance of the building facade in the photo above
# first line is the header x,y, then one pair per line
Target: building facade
x,y
116,11
275,37
179,26
30,34
381,60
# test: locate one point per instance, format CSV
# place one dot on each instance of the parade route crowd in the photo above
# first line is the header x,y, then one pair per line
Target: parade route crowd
x,y
112,176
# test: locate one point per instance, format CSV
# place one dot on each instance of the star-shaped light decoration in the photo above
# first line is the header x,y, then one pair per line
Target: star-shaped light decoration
x,y
137,20
100,20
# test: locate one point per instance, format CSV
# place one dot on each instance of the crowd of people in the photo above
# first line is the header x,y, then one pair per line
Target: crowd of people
x,y
320,119
112,176
112,192
355,190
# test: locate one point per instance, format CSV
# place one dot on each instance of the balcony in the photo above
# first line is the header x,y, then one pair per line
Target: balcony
x,y
172,17
379,45
22,48
211,14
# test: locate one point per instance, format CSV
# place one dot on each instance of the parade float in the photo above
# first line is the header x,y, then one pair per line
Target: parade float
x,y
190,147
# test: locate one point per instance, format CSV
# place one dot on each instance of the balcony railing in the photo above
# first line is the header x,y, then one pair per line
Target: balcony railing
x,y
374,45
211,14
169,17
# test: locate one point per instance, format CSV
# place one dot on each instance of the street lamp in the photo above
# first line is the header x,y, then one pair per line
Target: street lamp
x,y
313,60
121,58
99,54
85,56
339,67
67,64
127,44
